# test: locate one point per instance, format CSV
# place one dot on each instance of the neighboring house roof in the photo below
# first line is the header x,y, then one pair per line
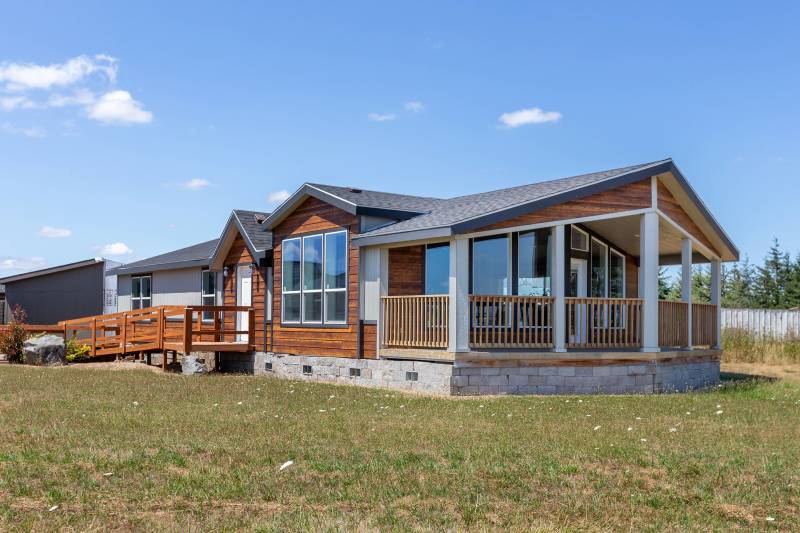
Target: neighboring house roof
x,y
52,270
196,255
251,225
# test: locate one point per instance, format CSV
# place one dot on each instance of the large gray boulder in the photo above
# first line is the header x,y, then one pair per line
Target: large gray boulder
x,y
45,350
192,365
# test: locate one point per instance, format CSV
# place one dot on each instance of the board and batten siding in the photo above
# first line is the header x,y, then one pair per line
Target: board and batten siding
x,y
316,216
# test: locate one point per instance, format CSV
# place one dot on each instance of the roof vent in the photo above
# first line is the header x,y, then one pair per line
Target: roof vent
x,y
356,191
260,219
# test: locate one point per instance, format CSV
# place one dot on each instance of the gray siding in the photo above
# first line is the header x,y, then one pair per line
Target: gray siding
x,y
59,296
170,287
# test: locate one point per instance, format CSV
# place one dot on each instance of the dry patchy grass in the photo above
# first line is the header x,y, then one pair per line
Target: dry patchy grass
x,y
145,451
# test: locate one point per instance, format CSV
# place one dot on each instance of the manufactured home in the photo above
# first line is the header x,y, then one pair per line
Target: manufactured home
x,y
550,287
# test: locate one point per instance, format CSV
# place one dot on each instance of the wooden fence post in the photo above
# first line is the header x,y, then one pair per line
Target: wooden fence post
x,y
94,336
187,331
251,327
124,342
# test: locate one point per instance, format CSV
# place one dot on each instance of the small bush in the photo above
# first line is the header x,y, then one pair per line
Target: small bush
x,y
75,351
12,340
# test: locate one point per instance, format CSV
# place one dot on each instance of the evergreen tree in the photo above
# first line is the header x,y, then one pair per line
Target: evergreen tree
x,y
701,284
772,279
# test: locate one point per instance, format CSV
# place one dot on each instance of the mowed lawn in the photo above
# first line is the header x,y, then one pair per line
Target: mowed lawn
x,y
118,450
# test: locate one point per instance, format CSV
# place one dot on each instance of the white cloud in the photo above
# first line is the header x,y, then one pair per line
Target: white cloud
x,y
9,103
195,184
83,97
116,248
21,263
382,117
119,107
54,233
276,197
35,131
27,76
414,106
532,115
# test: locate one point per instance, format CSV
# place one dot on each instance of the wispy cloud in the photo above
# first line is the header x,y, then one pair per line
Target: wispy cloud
x,y
118,107
115,248
532,115
35,131
84,82
195,184
22,263
414,106
382,117
276,197
27,76
54,233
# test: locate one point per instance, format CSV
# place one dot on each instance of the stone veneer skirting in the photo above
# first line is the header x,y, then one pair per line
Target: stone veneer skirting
x,y
464,378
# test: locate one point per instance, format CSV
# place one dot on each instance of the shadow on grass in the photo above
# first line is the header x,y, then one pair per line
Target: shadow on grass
x,y
740,380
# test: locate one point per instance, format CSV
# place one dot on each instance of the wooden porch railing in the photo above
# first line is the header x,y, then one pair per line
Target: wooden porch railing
x,y
604,322
673,324
415,321
160,328
510,321
704,324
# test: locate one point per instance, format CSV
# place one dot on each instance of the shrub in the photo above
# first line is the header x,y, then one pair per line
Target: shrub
x,y
76,351
12,339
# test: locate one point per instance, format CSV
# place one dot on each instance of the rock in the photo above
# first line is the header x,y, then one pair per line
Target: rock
x,y
3,358
44,350
192,365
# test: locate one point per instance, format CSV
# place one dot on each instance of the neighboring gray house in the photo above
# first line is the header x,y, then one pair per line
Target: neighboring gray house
x,y
180,277
62,292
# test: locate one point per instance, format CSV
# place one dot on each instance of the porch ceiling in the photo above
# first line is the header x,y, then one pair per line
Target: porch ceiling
x,y
623,232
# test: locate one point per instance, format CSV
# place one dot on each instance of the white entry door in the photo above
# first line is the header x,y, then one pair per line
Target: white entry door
x,y
244,297
577,287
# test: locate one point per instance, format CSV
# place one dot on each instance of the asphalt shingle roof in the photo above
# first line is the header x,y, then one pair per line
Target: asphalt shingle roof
x,y
381,200
259,235
443,213
196,252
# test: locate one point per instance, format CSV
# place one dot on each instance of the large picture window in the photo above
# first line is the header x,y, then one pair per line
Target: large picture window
x,y
208,292
490,261
533,278
141,295
437,268
599,278
314,279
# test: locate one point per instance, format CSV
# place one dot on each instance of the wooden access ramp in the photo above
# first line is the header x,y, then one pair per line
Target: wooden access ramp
x,y
164,328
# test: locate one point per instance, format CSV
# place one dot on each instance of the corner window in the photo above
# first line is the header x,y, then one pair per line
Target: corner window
x,y
141,295
579,239
314,279
208,292
437,268
599,279
533,278
490,265
616,275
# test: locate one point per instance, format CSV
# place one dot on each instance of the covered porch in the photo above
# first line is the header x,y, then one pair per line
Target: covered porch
x,y
582,289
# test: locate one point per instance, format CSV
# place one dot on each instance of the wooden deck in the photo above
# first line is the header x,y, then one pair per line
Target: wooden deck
x,y
163,329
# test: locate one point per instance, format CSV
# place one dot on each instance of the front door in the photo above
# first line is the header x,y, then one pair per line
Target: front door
x,y
577,288
244,297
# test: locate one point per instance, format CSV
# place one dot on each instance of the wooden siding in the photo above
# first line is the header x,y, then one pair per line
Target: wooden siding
x,y
314,216
240,255
626,198
406,271
670,207
631,278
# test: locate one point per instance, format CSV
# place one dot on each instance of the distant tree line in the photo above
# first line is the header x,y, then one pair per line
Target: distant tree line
x,y
775,284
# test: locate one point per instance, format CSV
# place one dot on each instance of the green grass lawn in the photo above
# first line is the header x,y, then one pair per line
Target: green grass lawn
x,y
117,450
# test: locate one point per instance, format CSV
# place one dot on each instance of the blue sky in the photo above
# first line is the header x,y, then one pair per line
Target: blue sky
x,y
135,129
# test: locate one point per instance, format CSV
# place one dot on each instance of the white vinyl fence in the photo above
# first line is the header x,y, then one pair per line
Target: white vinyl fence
x,y
774,323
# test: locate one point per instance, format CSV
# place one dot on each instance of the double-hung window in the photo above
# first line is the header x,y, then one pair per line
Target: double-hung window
x,y
208,292
141,295
314,279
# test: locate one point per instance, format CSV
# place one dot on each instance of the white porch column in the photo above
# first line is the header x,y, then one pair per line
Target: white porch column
x,y
382,289
458,335
559,285
686,286
716,299
648,236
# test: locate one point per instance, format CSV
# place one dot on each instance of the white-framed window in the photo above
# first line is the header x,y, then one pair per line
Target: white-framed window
x,y
616,274
208,292
491,265
579,239
437,268
314,279
598,281
141,292
533,263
